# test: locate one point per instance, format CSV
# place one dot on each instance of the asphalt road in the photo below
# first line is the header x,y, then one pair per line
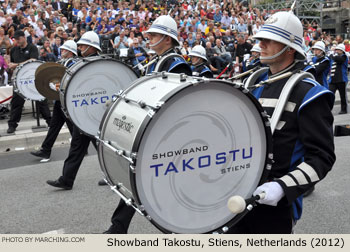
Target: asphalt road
x,y
29,205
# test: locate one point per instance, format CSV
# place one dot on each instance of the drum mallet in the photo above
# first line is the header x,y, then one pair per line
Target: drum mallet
x,y
238,204
223,71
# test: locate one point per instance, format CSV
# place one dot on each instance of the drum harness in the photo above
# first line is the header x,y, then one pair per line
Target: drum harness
x,y
294,78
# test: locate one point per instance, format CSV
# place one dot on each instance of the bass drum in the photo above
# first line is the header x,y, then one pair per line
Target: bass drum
x,y
177,148
87,88
23,80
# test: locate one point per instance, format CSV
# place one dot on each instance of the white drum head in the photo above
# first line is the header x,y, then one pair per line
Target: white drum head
x,y
24,81
205,144
90,91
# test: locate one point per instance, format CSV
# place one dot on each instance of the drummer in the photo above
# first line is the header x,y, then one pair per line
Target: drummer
x,y
20,54
199,62
89,45
303,142
163,40
68,52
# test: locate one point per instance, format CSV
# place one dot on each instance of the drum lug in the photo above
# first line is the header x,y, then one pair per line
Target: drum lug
x,y
270,156
199,81
268,123
264,114
183,77
148,217
133,155
159,105
132,168
268,167
142,207
151,113
235,85
164,75
141,103
69,72
119,94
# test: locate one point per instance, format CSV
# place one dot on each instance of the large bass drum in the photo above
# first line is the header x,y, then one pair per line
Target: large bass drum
x,y
88,87
176,148
23,80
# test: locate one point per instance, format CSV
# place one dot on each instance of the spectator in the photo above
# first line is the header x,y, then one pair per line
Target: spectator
x,y
221,52
121,41
46,56
242,48
213,58
136,53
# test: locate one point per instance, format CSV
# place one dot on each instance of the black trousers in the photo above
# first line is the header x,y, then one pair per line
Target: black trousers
x,y
17,103
264,219
78,148
217,62
341,87
122,217
57,121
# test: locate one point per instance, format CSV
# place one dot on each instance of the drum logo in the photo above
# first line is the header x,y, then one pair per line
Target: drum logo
x,y
27,81
226,162
122,124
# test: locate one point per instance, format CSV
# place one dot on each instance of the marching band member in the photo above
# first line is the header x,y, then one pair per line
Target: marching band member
x,y
321,63
163,40
68,52
199,61
254,59
303,140
89,45
339,76
19,54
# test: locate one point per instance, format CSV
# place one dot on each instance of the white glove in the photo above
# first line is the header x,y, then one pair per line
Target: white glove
x,y
273,193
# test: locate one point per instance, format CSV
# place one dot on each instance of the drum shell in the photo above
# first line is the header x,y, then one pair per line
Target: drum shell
x,y
124,174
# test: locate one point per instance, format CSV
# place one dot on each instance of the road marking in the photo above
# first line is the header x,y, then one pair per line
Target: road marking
x,y
19,148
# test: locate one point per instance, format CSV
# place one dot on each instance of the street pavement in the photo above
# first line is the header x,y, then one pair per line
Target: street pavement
x,y
29,206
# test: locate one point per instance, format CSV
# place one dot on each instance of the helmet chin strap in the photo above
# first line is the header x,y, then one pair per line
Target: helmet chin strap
x,y
275,55
83,52
64,54
157,43
195,63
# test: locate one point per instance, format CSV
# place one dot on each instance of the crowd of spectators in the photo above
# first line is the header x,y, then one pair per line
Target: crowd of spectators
x,y
223,27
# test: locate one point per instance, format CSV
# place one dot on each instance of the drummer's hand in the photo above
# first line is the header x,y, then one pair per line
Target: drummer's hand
x,y
13,65
57,86
273,193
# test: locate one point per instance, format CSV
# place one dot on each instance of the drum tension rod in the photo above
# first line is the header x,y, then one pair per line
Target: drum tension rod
x,y
115,150
141,103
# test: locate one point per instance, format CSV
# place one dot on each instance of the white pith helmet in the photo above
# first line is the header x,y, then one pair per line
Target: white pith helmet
x,y
165,25
286,28
71,46
320,46
340,47
90,38
198,51
256,48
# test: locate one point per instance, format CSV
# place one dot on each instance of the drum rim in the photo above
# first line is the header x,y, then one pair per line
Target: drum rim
x,y
14,79
86,61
